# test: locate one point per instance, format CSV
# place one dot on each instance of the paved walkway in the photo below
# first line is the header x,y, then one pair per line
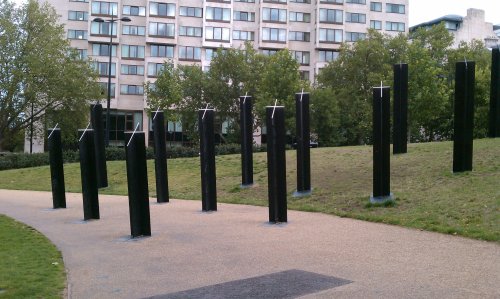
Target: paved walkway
x,y
189,250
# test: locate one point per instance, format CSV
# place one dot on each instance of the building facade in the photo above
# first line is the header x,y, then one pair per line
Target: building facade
x,y
472,26
190,31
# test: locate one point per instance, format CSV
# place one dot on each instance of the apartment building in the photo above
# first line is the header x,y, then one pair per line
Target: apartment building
x,y
189,31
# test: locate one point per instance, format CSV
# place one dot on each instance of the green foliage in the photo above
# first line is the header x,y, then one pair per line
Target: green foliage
x,y
39,69
325,117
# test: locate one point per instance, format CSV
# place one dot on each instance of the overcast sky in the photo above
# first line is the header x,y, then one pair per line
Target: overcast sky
x,y
426,10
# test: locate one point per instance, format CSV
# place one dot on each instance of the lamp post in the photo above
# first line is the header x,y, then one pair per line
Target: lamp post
x,y
108,107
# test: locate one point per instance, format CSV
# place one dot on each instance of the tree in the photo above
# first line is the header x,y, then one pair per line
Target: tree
x,y
325,117
39,71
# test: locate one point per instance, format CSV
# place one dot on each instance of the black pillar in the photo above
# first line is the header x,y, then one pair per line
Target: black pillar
x,y
100,152
400,113
56,169
88,174
463,122
303,143
494,121
207,159
160,157
246,127
276,163
381,145
137,181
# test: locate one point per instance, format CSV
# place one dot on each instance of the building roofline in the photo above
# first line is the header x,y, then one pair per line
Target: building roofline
x,y
452,18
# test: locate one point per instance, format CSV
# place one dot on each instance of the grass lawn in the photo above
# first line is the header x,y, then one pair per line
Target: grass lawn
x,y
428,195
30,266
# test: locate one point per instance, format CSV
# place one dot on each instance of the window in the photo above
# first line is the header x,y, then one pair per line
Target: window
x,y
162,51
332,1
274,15
395,8
330,35
377,25
302,57
190,31
161,29
300,17
376,6
299,36
327,56
77,34
134,10
244,16
330,16
218,14
273,34
246,1
130,51
394,26
189,53
211,53
129,69
356,1
304,75
243,35
103,67
82,53
103,50
98,28
354,36
274,1
191,12
133,30
154,69
131,89
301,1
104,88
217,34
86,1
121,121
78,15
269,52
161,9
355,18
104,8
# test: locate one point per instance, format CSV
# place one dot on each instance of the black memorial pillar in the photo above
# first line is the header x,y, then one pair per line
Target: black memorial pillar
x,y
494,117
56,169
207,159
100,152
303,142
137,181
463,122
381,145
276,163
160,157
88,174
400,112
246,128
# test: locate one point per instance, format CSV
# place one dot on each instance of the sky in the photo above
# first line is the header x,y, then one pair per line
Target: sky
x,y
427,10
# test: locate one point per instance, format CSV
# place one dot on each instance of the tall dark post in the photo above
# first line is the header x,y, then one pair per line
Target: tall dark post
x,y
381,145
276,163
303,143
463,122
88,174
137,181
56,169
494,121
100,152
246,127
160,157
207,158
400,113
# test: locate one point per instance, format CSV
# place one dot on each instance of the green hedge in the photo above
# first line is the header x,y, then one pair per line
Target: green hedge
x,y
23,160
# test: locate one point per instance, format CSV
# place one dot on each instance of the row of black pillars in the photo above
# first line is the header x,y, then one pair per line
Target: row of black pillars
x,y
56,168
207,159
494,117
246,128
160,157
100,152
400,109
88,173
